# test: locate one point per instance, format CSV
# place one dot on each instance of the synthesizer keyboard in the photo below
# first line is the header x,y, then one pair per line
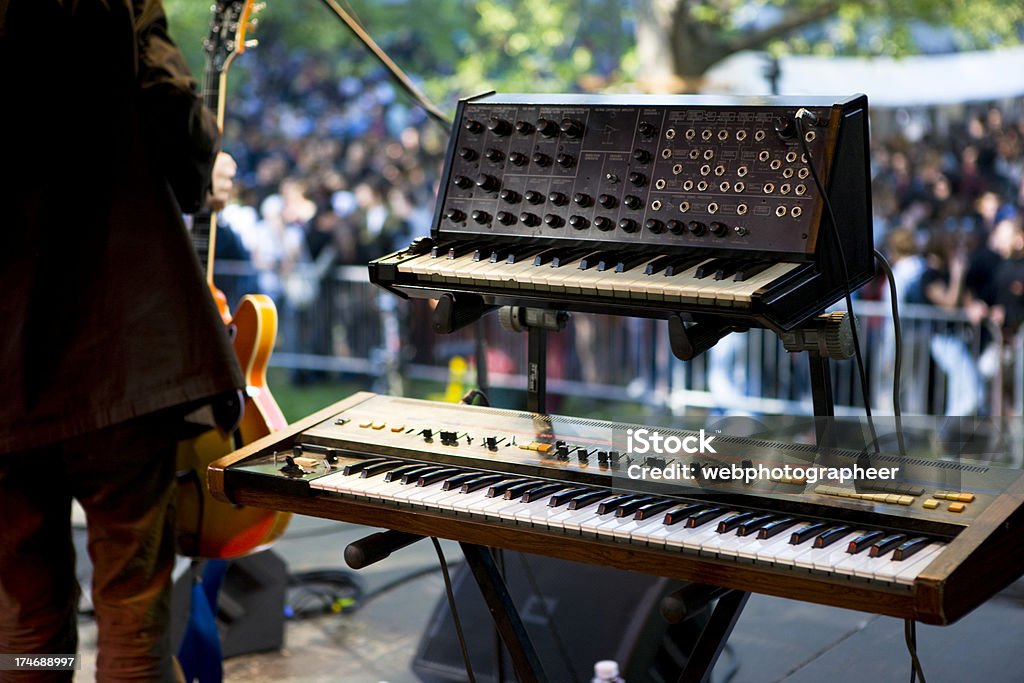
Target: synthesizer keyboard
x,y
931,545
648,206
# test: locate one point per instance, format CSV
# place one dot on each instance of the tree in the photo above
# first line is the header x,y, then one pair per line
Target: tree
x,y
679,40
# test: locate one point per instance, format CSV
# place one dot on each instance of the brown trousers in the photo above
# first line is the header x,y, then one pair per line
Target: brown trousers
x,y
123,476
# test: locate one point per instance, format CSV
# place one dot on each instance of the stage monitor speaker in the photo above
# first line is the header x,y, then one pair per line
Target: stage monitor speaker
x,y
595,613
250,605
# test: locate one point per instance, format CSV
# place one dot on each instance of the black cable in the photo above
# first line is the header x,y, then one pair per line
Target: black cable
x,y
555,635
799,122
910,636
455,612
897,328
396,72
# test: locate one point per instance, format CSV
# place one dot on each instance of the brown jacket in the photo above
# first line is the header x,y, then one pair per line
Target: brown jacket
x,y
104,309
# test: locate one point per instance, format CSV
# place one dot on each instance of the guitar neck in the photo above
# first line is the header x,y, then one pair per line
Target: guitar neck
x,y
204,221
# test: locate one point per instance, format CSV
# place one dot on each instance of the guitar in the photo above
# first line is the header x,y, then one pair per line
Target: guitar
x,y
207,527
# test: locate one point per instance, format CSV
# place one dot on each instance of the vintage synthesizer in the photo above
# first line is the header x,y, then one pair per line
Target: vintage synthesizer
x,y
648,206
930,545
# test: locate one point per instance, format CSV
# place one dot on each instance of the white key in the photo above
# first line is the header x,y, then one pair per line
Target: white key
x,y
741,295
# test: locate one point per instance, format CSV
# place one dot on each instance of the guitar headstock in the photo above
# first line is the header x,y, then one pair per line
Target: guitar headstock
x,y
230,24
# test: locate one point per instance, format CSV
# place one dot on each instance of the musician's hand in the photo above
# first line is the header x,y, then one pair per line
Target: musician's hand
x,y
224,169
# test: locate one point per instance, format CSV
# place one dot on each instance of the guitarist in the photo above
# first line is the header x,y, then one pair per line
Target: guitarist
x,y
110,334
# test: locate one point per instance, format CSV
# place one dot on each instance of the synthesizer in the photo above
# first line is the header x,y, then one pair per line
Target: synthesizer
x,y
648,206
930,544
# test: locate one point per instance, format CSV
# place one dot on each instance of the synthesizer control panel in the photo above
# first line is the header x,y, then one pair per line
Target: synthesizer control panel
x,y
646,171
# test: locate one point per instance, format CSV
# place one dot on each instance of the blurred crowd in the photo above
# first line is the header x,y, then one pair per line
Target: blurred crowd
x,y
337,169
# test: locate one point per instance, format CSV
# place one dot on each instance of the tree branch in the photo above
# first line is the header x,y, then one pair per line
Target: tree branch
x,y
790,22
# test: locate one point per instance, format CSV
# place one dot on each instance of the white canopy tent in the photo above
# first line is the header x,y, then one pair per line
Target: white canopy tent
x,y
888,82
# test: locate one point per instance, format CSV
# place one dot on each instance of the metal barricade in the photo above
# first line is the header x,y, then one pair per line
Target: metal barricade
x,y
351,326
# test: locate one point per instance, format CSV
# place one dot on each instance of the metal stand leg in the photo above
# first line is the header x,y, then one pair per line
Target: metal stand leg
x,y
536,370
713,638
506,617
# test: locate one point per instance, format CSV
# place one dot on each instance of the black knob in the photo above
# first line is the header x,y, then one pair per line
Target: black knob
x,y
474,126
487,183
481,216
518,158
455,216
647,129
571,128
541,159
534,197
785,127
553,221
603,223
607,201
641,155
463,182
558,198
676,227
632,201
523,127
638,179
628,225
547,128
582,456
428,434
578,222
494,155
506,218
562,452
697,228
499,126
510,196
564,160
655,226
719,229
581,199
491,442
467,154
530,219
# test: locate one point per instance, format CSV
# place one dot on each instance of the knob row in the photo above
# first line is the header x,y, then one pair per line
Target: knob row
x,y
547,128
603,223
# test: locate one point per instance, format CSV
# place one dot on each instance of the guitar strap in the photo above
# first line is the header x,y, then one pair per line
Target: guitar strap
x,y
200,653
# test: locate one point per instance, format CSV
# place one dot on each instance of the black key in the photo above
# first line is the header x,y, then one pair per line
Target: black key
x,y
710,268
910,548
862,542
433,477
460,479
480,482
357,467
703,517
610,505
682,513
658,264
536,494
518,490
630,507
414,475
591,260
580,502
500,487
400,472
628,263
439,250
752,525
651,509
829,537
545,256
772,529
808,533
886,544
728,269
570,255
377,468
499,254
563,497
520,255
751,269
730,523
682,264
